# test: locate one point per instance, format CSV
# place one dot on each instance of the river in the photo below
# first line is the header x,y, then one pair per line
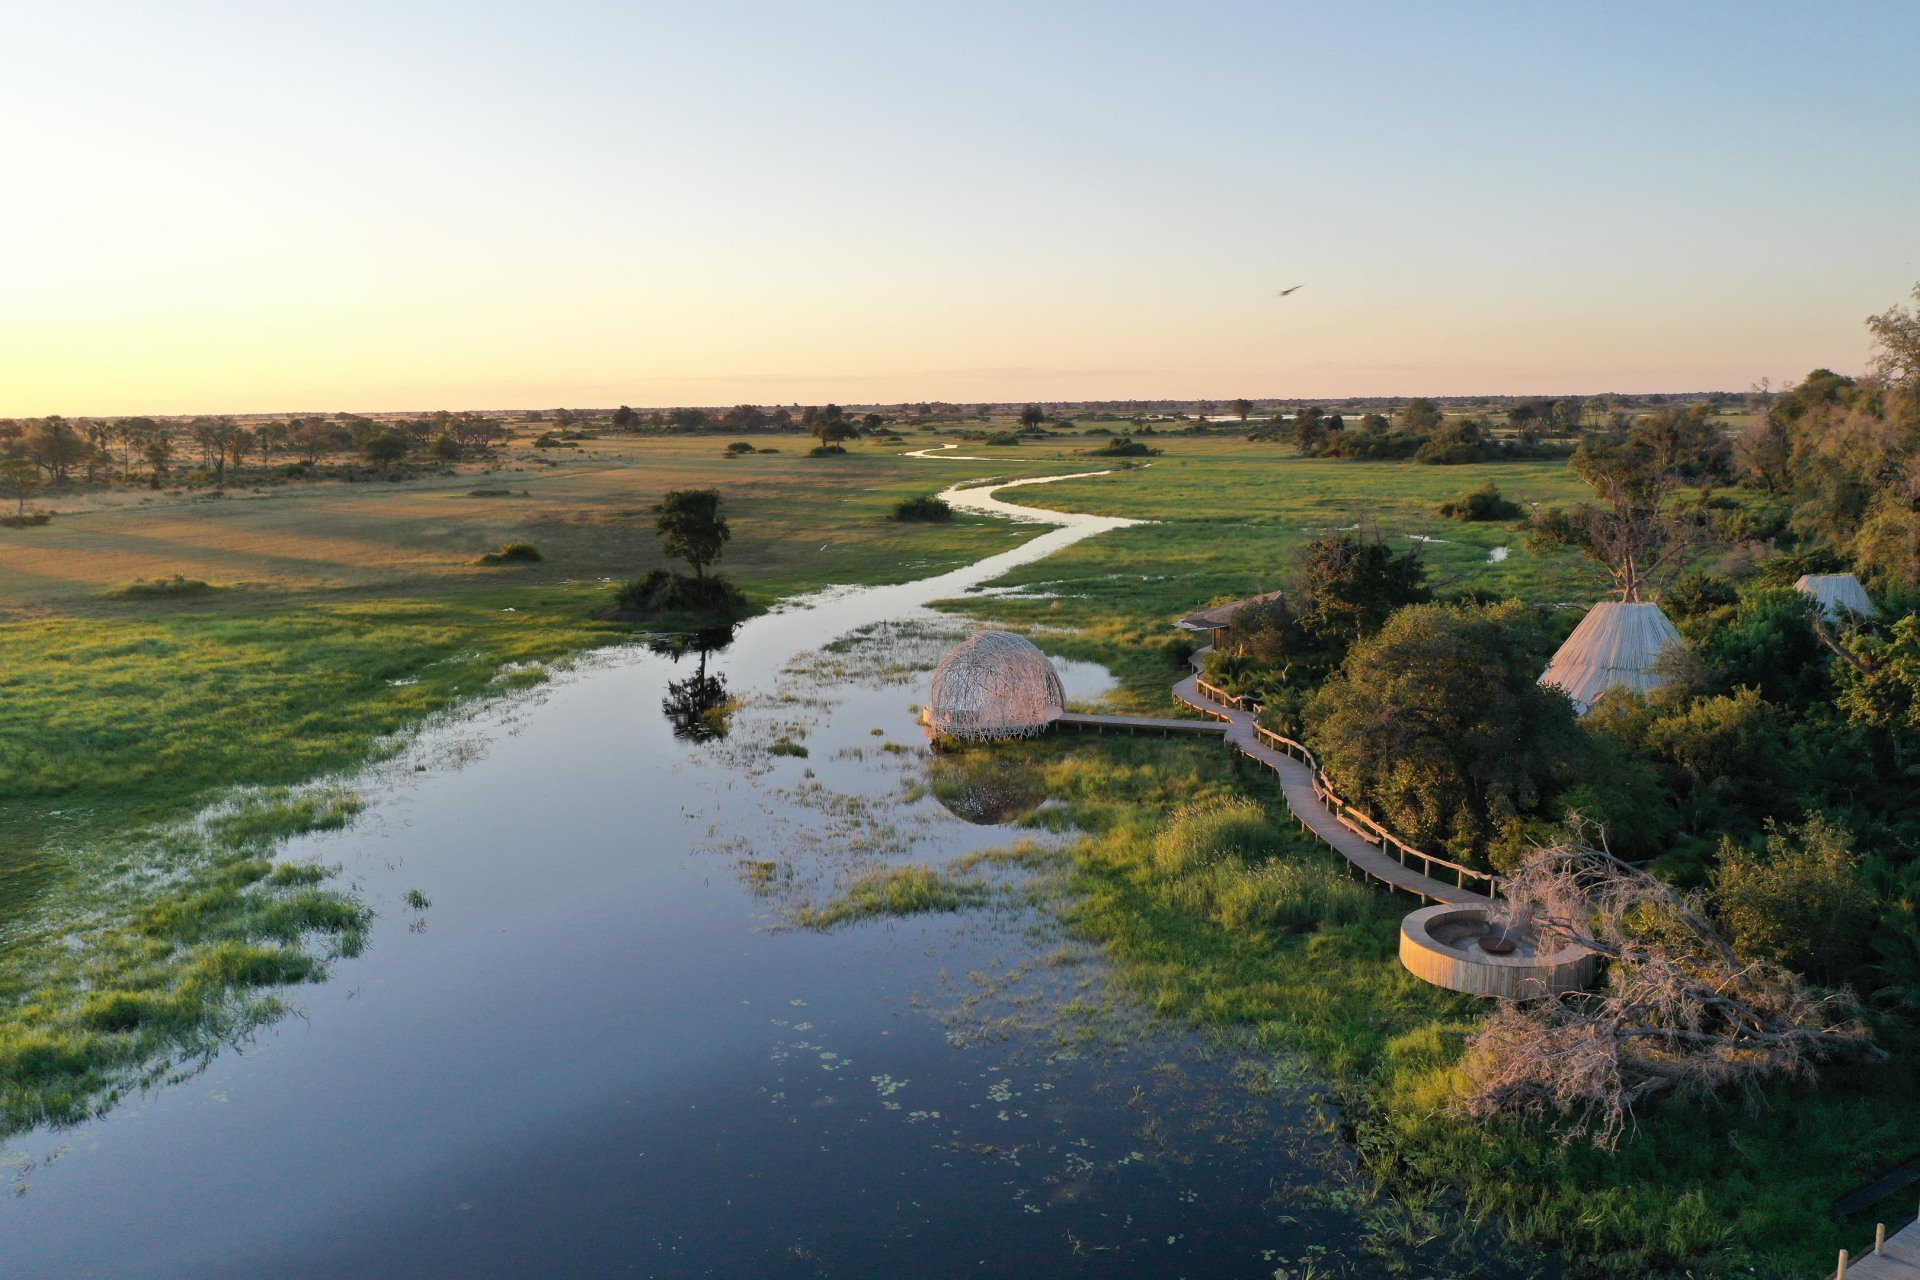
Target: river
x,y
597,1051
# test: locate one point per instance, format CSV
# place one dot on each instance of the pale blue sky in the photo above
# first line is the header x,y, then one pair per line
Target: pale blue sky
x,y
230,207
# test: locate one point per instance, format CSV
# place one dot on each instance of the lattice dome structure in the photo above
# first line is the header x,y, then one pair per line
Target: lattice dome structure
x,y
994,684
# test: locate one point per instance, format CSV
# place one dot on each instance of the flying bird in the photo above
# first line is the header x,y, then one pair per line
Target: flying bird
x,y
1284,292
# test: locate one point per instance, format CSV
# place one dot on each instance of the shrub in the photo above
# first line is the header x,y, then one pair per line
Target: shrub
x,y
162,588
737,448
1123,447
489,493
924,509
27,520
512,553
1484,503
826,451
1801,903
1003,438
661,591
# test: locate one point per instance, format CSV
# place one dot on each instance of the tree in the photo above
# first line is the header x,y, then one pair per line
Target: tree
x,y
1346,586
1032,418
385,448
267,437
1896,339
1629,533
1439,721
1420,415
625,419
158,451
474,431
56,447
20,478
311,437
1241,408
1686,441
830,425
691,528
1680,1013
1880,683
1762,451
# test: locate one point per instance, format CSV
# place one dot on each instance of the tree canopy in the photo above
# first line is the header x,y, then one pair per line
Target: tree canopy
x,y
691,528
1439,721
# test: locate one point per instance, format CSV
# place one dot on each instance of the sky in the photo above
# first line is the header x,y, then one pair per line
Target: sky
x,y
226,208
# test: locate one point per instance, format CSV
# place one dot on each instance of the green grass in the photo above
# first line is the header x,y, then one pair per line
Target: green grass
x,y
895,891
172,971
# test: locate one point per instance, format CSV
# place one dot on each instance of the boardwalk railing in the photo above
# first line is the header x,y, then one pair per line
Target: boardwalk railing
x,y
1349,817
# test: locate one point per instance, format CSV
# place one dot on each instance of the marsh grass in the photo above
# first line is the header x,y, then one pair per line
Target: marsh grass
x,y
166,971
895,891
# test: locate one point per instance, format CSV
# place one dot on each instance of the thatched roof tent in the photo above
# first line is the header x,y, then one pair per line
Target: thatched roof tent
x,y
1835,593
994,684
1615,645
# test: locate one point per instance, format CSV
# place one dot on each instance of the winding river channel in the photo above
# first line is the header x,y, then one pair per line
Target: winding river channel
x,y
597,1050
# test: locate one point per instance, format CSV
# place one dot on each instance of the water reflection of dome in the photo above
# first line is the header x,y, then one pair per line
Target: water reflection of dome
x,y
985,792
994,684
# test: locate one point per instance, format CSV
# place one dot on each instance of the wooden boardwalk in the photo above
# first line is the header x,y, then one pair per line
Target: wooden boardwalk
x,y
1297,783
1136,724
1359,841
1898,1259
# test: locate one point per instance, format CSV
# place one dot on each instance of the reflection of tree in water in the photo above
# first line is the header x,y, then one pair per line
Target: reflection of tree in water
x,y
985,790
699,705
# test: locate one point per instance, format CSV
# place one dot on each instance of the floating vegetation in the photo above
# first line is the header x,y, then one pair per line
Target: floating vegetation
x,y
895,891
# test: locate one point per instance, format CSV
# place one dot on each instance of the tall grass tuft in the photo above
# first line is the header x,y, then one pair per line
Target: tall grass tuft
x,y
895,891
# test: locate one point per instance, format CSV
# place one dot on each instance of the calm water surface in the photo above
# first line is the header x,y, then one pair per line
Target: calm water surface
x,y
597,1054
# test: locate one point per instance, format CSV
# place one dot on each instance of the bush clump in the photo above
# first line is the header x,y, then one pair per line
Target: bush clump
x,y
926,509
826,451
737,448
1123,447
663,591
1484,503
513,553
1003,438
26,520
162,588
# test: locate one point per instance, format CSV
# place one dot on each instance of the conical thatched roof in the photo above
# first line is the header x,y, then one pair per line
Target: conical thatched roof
x,y
1615,644
1835,592
994,684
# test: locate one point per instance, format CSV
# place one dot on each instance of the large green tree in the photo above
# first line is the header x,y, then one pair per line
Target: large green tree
x,y
1439,722
1348,585
691,527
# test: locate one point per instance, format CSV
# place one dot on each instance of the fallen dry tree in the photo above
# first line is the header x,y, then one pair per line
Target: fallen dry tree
x,y
1678,1012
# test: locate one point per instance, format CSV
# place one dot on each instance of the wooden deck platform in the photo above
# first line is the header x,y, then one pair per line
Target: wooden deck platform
x,y
1898,1260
